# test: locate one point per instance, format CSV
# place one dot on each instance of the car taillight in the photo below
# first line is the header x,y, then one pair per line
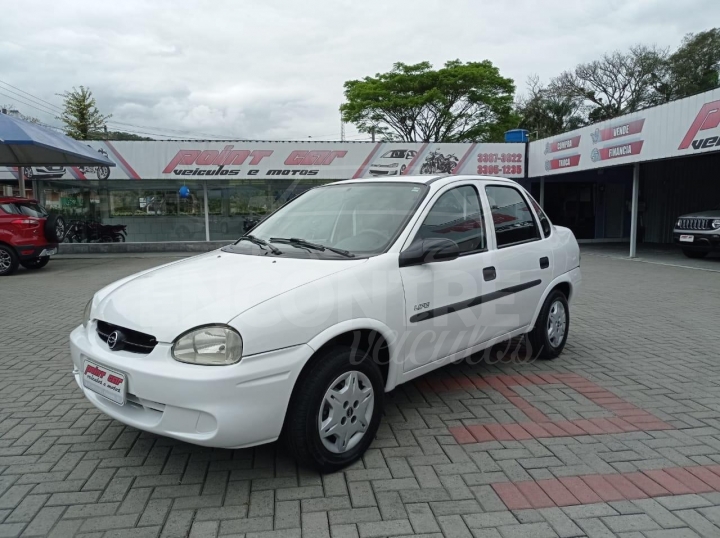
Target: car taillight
x,y
25,223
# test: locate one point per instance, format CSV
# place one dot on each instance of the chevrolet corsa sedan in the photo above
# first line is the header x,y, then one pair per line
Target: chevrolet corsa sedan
x,y
299,328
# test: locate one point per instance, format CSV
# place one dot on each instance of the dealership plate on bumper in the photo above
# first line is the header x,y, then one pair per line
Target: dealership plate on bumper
x,y
687,238
105,382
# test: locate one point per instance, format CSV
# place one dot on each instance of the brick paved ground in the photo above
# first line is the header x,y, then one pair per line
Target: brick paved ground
x,y
619,436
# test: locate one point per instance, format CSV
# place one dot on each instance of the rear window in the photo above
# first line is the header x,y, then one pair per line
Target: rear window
x,y
29,209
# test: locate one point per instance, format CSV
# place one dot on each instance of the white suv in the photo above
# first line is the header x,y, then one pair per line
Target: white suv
x,y
341,295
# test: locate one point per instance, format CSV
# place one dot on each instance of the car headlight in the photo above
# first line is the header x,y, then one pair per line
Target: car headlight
x,y
86,314
716,224
213,345
393,165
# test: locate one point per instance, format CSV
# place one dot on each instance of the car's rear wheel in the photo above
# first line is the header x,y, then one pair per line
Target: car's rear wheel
x,y
548,337
8,260
695,253
35,263
335,409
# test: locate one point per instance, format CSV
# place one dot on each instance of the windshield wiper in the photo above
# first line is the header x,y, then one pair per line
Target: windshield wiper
x,y
294,241
260,242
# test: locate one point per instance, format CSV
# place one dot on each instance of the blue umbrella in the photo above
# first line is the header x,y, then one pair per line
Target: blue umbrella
x,y
27,144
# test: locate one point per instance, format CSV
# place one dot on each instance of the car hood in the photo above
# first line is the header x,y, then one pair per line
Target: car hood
x,y
712,213
212,288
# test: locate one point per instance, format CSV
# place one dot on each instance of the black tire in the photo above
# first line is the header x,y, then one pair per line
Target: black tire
x,y
35,263
695,254
55,228
8,260
301,431
541,345
28,172
102,172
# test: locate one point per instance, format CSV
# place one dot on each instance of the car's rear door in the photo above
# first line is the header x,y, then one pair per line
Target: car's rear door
x,y
521,259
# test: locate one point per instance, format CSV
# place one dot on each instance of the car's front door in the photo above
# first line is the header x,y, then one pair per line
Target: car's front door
x,y
521,259
441,312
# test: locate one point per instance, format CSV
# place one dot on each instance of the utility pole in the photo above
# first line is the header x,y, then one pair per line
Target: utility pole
x,y
372,133
342,130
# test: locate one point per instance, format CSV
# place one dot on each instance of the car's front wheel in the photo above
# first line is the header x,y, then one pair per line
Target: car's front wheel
x,y
548,337
35,263
695,253
335,409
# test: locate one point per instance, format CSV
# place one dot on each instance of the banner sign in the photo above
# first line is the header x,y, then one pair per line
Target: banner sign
x,y
680,128
282,160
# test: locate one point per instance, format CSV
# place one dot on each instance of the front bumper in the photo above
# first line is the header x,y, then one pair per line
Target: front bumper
x,y
30,252
384,171
218,406
705,240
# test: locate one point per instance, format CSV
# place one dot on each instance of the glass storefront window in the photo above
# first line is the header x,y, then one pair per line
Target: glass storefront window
x,y
154,211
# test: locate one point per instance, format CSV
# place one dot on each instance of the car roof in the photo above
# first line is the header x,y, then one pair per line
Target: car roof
x,y
14,199
426,179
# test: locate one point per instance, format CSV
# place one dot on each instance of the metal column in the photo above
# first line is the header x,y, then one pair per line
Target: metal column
x,y
634,210
207,212
542,192
21,181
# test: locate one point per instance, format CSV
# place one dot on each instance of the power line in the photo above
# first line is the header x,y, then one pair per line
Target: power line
x,y
35,100
28,104
35,97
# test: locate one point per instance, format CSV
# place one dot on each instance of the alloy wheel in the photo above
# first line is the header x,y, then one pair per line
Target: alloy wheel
x,y
557,323
5,261
346,411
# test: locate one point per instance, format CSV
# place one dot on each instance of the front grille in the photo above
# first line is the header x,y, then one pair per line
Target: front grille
x,y
135,342
694,224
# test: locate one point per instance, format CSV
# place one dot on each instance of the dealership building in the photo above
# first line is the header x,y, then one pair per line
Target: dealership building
x,y
635,173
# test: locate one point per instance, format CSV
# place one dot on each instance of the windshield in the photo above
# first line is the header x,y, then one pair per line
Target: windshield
x,y
395,154
361,218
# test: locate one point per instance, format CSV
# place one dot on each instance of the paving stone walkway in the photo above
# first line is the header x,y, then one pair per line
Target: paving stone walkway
x,y
620,436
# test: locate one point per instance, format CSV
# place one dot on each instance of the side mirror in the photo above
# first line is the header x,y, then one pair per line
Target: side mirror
x,y
429,251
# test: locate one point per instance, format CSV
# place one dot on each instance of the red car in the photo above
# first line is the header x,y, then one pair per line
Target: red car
x,y
29,235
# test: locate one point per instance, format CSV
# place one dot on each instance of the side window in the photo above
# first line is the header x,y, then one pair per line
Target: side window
x,y
511,215
456,215
544,221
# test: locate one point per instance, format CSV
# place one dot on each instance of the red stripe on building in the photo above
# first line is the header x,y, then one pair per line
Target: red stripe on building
x,y
363,167
465,157
75,171
123,163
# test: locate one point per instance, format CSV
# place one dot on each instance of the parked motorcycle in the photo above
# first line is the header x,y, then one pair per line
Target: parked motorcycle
x,y
436,163
102,172
81,231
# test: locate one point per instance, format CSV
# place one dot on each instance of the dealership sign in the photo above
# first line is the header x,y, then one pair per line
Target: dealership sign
x,y
199,160
680,128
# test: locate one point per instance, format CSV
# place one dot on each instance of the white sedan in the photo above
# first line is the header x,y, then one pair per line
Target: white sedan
x,y
344,293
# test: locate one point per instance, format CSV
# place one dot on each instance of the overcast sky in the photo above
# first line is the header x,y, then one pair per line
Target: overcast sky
x,y
274,69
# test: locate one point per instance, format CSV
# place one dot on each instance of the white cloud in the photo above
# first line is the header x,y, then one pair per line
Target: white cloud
x,y
275,69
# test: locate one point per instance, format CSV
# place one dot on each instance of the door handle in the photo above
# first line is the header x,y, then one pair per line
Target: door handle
x,y
489,273
544,262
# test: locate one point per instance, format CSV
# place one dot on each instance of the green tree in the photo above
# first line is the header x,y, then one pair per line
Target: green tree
x,y
415,103
545,113
82,119
695,66
122,135
616,84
